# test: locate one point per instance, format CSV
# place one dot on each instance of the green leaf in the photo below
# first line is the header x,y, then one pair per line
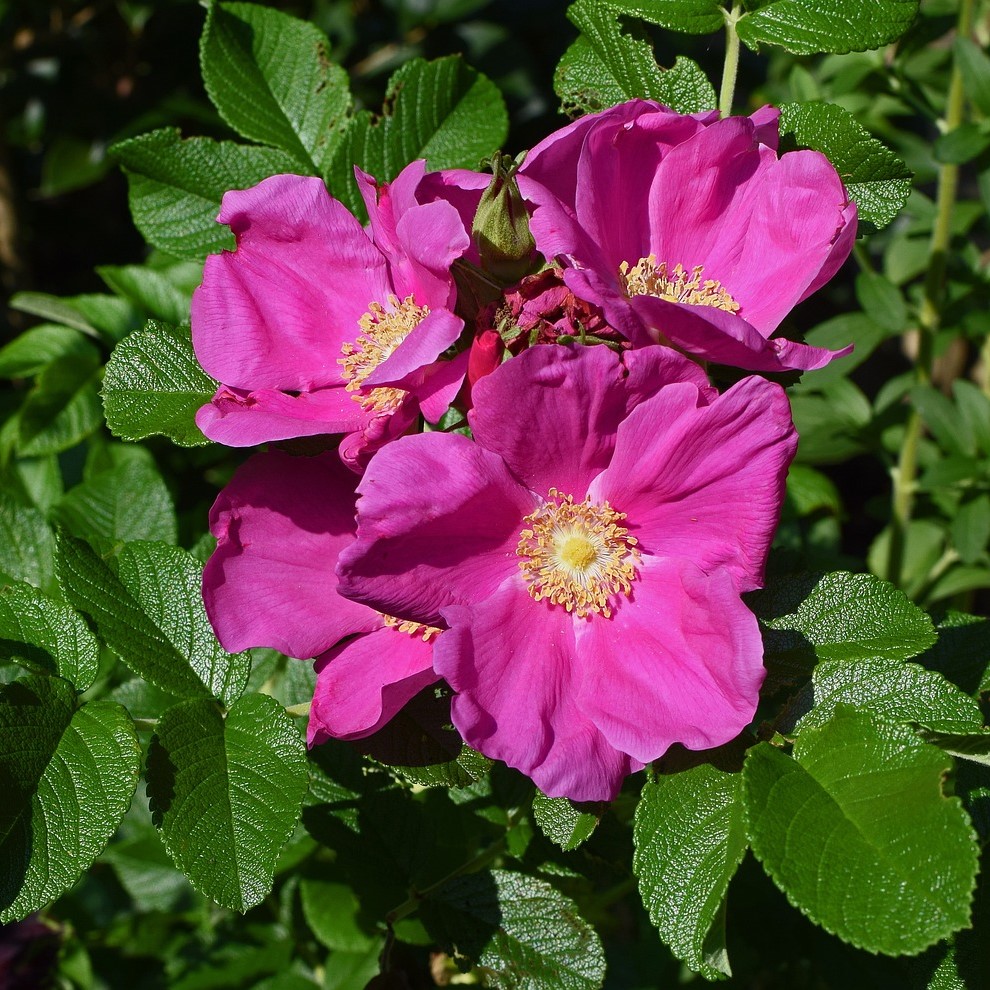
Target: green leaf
x,y
847,328
332,912
521,931
94,314
807,27
52,635
161,293
63,407
858,834
148,607
26,544
609,64
176,186
270,76
894,691
226,793
838,616
974,65
687,16
971,528
962,652
875,178
129,502
974,746
962,145
154,384
690,838
68,776
564,822
974,407
443,111
944,420
882,301
32,352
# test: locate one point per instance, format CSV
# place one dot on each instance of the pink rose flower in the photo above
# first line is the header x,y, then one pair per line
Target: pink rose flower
x,y
316,326
586,554
690,230
280,524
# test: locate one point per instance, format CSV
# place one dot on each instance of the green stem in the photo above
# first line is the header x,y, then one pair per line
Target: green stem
x,y
298,711
929,317
731,66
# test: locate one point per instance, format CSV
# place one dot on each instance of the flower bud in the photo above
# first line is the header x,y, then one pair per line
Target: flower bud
x,y
501,225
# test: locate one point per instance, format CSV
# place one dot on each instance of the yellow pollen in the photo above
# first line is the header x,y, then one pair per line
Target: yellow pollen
x,y
647,278
577,555
382,330
418,629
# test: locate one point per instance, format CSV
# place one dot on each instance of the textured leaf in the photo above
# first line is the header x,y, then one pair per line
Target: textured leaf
x,y
806,27
837,616
154,384
226,793
26,544
974,746
270,76
443,111
176,186
857,833
688,16
519,929
564,822
607,65
45,632
147,605
875,178
690,837
129,502
68,776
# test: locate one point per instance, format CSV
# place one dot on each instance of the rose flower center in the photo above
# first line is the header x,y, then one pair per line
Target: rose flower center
x,y
382,330
647,278
577,555
417,630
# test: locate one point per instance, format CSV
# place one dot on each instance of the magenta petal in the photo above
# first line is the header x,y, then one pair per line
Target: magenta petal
x,y
680,662
239,418
704,483
406,366
280,524
363,683
841,249
267,315
438,523
551,414
441,386
511,660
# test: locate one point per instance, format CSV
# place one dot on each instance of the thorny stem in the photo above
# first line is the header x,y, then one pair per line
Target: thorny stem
x,y
930,316
731,66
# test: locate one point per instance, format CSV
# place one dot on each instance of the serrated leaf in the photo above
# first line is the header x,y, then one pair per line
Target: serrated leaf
x,y
564,822
838,616
270,76
160,293
807,27
129,502
443,111
521,931
46,632
26,544
68,775
858,834
226,793
892,690
687,16
147,605
608,65
690,838
31,352
875,178
154,385
175,186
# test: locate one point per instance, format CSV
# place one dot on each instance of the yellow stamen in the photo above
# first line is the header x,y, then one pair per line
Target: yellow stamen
x,y
647,278
426,633
576,554
382,330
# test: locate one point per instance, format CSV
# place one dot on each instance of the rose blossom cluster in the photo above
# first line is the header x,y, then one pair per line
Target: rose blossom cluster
x,y
573,568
